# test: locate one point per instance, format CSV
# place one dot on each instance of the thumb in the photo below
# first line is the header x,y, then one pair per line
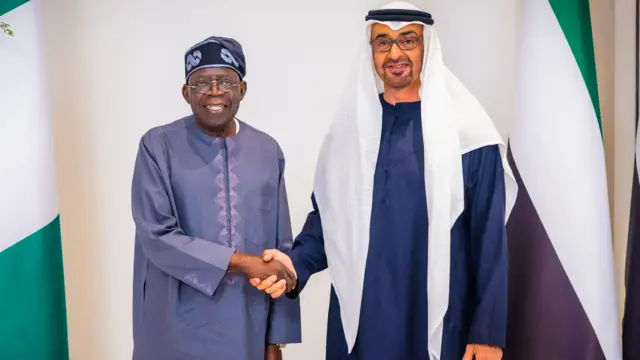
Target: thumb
x,y
255,281
267,255
468,354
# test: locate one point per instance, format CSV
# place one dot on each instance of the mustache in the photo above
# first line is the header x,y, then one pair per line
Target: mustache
x,y
403,59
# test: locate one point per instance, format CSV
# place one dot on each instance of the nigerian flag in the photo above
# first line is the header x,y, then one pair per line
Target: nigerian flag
x,y
562,298
32,296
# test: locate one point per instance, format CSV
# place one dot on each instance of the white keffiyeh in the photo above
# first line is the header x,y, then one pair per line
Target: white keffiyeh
x,y
454,123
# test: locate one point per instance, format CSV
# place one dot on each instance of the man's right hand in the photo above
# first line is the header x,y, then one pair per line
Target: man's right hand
x,y
272,285
256,268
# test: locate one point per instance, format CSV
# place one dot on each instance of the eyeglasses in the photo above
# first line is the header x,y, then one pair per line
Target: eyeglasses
x,y
204,87
404,43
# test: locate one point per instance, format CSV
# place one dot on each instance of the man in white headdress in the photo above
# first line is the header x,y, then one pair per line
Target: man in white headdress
x,y
413,189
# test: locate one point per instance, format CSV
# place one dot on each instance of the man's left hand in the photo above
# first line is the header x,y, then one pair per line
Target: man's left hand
x,y
273,352
482,352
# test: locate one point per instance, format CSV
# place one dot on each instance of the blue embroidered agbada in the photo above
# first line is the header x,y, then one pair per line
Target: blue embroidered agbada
x,y
196,199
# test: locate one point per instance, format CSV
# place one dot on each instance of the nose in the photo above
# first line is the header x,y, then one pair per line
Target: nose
x,y
214,90
395,52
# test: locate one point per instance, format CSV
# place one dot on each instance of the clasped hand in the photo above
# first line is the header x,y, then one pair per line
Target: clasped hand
x,y
482,352
274,284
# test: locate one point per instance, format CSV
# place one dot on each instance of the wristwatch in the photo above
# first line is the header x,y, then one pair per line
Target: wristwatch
x,y
281,346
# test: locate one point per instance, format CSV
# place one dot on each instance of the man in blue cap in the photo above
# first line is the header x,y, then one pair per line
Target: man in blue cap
x,y
208,197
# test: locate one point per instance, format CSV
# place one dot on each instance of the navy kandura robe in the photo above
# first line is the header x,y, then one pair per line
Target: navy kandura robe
x,y
393,318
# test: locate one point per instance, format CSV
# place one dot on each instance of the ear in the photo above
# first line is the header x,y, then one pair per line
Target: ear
x,y
185,93
243,89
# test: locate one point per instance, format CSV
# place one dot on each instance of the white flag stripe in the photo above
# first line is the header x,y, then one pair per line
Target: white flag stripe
x,y
27,185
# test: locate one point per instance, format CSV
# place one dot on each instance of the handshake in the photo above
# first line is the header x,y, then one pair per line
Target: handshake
x,y
272,273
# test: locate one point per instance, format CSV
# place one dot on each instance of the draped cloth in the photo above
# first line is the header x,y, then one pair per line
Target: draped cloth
x,y
454,123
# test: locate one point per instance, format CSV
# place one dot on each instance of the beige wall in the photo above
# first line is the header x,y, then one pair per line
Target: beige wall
x,y
603,36
624,131
603,14
614,36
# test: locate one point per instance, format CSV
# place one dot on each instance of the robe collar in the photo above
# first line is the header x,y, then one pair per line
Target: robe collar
x,y
195,131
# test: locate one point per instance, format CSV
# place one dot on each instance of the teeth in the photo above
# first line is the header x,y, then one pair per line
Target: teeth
x,y
215,108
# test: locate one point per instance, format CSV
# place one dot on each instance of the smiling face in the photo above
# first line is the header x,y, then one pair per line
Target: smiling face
x,y
398,64
214,105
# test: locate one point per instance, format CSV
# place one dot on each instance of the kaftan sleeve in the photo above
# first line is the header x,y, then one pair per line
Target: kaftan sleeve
x,y
308,254
284,315
489,248
199,263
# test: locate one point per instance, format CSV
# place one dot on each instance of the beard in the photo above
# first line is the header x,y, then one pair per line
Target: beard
x,y
397,78
398,82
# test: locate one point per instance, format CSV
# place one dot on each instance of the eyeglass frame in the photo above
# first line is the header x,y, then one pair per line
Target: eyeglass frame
x,y
396,42
195,88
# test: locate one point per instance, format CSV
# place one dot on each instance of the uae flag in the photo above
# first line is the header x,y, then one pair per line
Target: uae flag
x,y
562,298
32,294
631,319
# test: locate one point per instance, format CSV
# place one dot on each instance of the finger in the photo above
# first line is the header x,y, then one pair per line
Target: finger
x,y
254,281
279,286
277,294
285,278
468,354
292,285
291,274
268,282
284,273
291,281
274,289
267,255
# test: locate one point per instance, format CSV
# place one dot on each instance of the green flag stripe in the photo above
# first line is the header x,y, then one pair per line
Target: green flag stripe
x,y
33,315
575,20
8,5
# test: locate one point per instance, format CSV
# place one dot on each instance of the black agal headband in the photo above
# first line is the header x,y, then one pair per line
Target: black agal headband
x,y
400,15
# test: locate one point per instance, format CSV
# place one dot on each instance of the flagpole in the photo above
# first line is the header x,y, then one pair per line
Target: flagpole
x,y
630,314
637,84
636,175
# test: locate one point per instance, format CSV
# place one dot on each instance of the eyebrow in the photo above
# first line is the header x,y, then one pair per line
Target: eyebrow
x,y
385,36
411,32
211,78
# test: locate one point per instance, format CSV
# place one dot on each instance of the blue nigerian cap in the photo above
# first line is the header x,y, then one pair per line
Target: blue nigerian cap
x,y
215,51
